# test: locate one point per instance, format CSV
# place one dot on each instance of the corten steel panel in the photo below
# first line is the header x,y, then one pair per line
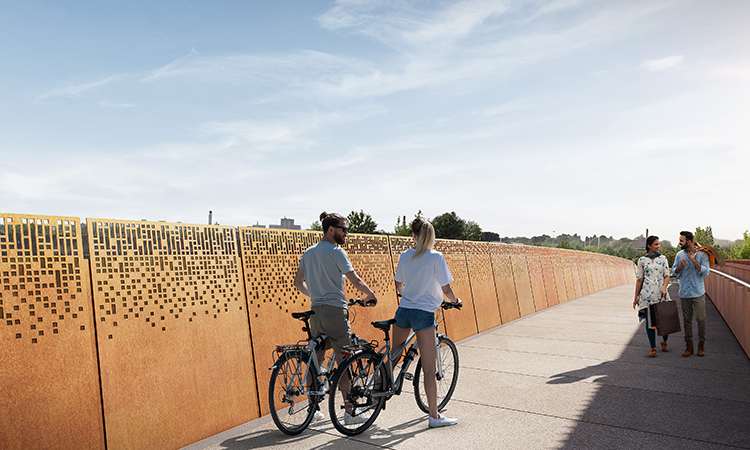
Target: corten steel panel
x,y
506,287
482,284
49,370
172,329
583,272
575,268
590,268
567,261
558,269
271,258
522,280
534,260
548,273
459,324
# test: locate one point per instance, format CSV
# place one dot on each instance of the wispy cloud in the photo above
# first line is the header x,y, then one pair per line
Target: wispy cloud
x,y
669,62
114,105
77,90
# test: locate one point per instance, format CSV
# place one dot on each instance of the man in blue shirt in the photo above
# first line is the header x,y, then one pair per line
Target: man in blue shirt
x,y
691,266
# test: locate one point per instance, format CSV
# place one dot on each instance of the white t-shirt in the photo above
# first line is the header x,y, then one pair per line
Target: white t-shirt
x,y
325,266
423,279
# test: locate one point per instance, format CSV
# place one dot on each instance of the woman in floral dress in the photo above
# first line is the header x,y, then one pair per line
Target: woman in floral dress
x,y
652,279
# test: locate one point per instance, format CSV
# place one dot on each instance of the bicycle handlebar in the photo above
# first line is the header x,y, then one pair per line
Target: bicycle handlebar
x,y
360,302
449,305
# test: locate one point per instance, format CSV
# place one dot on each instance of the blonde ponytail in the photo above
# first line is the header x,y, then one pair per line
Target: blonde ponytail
x,y
425,235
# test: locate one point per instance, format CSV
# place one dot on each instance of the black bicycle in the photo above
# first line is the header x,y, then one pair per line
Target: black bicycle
x,y
298,382
371,380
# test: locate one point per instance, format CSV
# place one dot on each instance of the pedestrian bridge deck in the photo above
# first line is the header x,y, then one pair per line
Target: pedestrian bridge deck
x,y
573,376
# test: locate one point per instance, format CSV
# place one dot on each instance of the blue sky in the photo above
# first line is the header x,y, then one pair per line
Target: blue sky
x,y
527,117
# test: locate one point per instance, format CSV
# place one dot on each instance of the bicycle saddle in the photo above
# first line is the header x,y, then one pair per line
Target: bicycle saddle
x,y
384,325
303,315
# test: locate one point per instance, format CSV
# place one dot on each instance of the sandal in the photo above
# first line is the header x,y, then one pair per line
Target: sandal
x,y
652,353
664,347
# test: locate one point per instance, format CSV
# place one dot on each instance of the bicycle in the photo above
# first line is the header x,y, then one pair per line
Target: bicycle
x,y
298,382
373,384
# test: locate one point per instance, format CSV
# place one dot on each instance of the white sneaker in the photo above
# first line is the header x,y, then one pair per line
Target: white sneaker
x,y
442,421
318,416
354,420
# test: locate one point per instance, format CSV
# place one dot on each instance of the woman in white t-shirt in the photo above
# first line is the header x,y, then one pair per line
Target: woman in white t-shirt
x,y
423,278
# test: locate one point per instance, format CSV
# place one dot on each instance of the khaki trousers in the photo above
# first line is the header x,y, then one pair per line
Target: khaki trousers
x,y
697,305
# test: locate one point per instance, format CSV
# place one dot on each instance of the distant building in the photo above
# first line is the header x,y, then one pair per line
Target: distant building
x,y
286,224
258,225
640,243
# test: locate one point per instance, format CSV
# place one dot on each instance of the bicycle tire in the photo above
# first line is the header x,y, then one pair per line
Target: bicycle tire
x,y
291,411
447,376
366,380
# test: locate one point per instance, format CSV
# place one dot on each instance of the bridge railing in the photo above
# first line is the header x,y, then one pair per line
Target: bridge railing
x,y
729,290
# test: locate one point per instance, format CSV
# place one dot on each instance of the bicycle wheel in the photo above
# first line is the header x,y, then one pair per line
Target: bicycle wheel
x,y
365,397
291,410
446,374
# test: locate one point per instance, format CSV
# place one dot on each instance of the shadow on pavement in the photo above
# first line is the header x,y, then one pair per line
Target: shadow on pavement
x,y
669,402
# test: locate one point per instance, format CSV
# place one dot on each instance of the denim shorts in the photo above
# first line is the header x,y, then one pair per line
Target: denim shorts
x,y
414,319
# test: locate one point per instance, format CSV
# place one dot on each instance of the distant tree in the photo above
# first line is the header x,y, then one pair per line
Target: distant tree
x,y
361,222
449,226
704,236
668,250
403,228
316,226
741,250
489,236
473,232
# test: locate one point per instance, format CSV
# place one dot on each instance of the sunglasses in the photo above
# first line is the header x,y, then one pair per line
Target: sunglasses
x,y
344,229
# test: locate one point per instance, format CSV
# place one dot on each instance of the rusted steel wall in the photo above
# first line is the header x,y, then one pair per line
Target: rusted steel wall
x,y
185,319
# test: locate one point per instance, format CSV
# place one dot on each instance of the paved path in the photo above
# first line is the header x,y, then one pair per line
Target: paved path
x,y
576,376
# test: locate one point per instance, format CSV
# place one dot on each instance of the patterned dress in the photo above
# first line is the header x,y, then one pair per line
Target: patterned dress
x,y
652,272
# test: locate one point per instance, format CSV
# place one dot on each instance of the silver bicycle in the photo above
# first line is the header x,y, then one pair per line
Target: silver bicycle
x,y
298,382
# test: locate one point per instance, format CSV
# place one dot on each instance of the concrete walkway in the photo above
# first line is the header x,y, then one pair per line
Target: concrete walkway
x,y
576,376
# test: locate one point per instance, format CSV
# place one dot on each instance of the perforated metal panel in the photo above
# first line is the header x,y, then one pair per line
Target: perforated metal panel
x,y
548,273
534,261
506,287
482,284
47,343
271,258
522,279
458,324
174,343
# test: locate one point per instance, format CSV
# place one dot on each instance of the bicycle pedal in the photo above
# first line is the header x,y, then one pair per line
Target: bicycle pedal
x,y
408,376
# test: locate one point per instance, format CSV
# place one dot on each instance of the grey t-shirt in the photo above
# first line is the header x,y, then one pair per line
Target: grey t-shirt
x,y
325,266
